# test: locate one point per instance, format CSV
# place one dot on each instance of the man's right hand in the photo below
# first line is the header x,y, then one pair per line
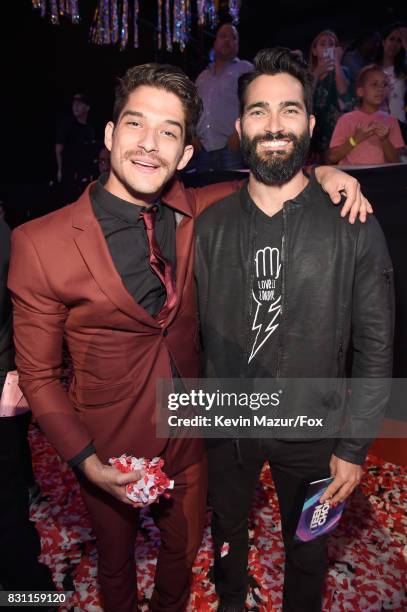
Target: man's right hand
x,y
109,478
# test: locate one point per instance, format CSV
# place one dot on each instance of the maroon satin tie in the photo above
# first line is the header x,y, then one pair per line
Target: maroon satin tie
x,y
160,265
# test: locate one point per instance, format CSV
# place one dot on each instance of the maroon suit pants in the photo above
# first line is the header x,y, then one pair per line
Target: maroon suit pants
x,y
180,520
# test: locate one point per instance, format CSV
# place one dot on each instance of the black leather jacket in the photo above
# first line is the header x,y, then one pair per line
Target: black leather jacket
x,y
337,291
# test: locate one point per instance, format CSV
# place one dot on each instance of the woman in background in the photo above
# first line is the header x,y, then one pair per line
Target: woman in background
x,y
332,94
392,58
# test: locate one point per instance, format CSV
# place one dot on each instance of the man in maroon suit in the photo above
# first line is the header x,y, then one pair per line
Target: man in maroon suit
x,y
112,274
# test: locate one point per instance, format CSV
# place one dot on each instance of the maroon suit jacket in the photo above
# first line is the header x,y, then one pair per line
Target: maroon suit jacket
x,y
64,285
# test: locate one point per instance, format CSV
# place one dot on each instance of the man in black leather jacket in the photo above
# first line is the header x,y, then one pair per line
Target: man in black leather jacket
x,y
284,288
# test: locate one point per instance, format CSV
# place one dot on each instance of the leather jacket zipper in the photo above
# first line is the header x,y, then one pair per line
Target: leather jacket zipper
x,y
252,247
283,268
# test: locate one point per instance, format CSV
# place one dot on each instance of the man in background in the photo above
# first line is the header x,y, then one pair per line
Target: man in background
x,y
74,148
217,143
362,53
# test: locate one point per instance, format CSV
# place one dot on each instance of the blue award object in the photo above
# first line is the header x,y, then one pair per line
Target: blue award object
x,y
317,519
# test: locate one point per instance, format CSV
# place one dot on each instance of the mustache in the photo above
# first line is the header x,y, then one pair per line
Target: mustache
x,y
142,156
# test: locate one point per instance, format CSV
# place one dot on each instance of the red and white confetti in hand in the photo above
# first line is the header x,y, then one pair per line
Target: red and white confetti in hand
x,y
151,485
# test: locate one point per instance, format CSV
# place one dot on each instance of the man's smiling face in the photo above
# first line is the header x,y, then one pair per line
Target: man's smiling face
x,y
146,144
275,128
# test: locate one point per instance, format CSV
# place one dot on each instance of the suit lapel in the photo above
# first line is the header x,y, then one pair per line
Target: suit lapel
x,y
94,250
178,198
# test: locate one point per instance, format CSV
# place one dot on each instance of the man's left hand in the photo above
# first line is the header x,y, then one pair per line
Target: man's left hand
x,y
347,476
333,182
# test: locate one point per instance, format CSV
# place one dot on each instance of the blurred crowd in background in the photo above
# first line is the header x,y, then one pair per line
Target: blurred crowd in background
x,y
360,97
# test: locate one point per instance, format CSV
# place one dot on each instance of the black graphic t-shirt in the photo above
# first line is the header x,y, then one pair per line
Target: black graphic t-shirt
x,y
266,296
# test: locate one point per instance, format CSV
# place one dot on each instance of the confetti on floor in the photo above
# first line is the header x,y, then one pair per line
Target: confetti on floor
x,y
367,552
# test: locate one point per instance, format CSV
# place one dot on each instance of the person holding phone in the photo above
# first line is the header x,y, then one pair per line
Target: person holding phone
x,y
331,89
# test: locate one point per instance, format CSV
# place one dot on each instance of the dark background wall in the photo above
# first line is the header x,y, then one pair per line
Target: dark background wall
x,y
45,64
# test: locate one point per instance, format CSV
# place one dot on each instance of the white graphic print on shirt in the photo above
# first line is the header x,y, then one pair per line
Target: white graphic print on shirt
x,y
266,294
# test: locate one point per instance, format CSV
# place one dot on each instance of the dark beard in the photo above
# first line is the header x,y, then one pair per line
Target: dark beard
x,y
275,168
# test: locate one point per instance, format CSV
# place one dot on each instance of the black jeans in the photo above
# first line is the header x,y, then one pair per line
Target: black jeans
x,y
234,469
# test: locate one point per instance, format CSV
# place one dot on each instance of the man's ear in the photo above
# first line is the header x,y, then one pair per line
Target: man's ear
x,y
311,124
238,127
185,157
109,129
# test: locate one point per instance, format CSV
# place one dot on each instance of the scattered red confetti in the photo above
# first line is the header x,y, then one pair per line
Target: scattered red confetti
x,y
366,562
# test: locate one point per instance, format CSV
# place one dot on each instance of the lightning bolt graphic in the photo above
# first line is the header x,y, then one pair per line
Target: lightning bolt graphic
x,y
275,309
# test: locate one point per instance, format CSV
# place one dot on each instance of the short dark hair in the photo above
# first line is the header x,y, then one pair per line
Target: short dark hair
x,y
276,61
225,23
162,76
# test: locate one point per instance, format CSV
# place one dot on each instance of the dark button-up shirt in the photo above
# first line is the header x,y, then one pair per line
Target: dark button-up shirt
x,y
126,239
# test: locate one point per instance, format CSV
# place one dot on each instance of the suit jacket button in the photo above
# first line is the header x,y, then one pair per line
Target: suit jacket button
x,y
165,332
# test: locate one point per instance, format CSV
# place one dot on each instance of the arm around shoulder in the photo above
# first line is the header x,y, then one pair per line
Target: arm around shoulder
x,y
206,196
